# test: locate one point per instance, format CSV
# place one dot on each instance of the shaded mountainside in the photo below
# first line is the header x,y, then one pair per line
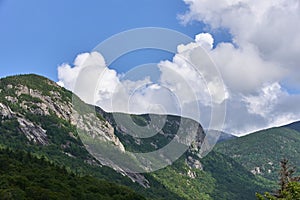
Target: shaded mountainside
x,y
295,126
222,136
226,136
23,176
261,152
38,116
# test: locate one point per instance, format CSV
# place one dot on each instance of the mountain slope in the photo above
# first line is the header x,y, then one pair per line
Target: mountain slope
x,y
261,152
38,116
219,178
295,126
24,176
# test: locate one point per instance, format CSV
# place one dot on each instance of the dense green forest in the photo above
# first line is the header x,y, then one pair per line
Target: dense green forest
x,y
262,151
23,176
289,185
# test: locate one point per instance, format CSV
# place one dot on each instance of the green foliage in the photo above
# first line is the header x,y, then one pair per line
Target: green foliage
x,y
34,82
264,149
78,165
176,179
23,176
233,181
221,178
289,185
29,98
10,134
140,120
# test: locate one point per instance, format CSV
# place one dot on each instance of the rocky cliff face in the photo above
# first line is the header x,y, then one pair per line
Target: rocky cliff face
x,y
32,131
19,100
31,99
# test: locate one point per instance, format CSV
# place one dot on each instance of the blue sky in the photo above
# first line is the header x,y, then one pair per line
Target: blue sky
x,y
37,36
261,76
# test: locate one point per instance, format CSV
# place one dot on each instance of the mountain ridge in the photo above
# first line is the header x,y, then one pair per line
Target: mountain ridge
x,y
36,116
260,152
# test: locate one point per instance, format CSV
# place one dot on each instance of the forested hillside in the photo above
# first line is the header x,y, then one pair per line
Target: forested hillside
x,y
24,176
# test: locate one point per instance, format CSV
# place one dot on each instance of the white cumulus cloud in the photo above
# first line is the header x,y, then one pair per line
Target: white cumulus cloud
x,y
205,40
263,56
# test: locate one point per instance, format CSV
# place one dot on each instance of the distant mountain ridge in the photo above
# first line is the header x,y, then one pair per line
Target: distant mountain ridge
x,y
261,151
222,136
294,125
